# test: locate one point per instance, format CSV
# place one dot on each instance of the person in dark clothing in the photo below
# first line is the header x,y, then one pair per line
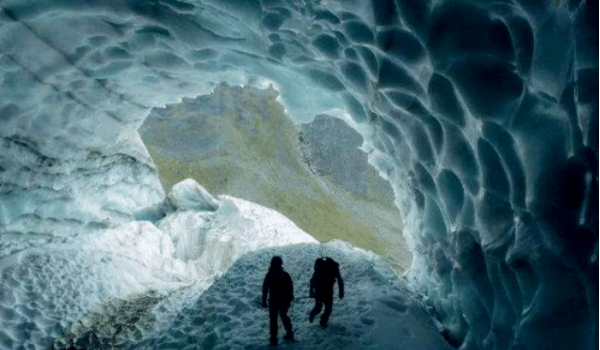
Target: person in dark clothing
x,y
280,289
327,271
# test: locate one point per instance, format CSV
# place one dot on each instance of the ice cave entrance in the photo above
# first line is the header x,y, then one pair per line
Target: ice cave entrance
x,y
239,141
486,111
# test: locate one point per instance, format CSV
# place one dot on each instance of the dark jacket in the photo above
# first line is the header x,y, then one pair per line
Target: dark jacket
x,y
279,286
326,273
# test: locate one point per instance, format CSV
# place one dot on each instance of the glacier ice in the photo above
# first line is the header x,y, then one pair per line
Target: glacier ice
x,y
482,115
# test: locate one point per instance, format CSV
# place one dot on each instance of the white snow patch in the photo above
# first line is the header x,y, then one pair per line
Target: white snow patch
x,y
47,291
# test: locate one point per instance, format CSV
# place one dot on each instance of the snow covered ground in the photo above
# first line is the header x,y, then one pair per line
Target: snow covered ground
x,y
48,289
376,313
190,278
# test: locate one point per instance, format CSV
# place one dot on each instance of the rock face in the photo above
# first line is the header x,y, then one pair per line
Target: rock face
x,y
238,141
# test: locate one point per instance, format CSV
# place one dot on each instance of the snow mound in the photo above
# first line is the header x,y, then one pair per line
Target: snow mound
x,y
47,292
188,194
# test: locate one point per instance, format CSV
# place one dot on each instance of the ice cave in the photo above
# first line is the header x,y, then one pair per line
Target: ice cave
x,y
155,154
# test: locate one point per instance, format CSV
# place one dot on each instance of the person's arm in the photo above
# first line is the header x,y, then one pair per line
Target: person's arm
x,y
292,287
340,284
311,292
265,290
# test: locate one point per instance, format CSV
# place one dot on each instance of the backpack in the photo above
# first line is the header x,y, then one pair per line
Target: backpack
x,y
326,270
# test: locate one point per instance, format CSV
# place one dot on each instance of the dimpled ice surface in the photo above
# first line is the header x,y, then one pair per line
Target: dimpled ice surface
x,y
482,115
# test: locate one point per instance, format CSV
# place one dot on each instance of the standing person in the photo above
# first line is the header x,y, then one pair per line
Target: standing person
x,y
280,288
321,287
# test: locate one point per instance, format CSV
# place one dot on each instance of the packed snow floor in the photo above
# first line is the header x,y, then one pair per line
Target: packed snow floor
x,y
191,279
377,312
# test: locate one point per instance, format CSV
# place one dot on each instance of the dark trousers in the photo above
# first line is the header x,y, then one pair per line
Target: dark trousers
x,y
279,310
319,301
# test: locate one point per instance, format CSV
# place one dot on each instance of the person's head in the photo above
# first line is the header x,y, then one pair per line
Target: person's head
x,y
318,263
276,261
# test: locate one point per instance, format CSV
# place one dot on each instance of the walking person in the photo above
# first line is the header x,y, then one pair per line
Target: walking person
x,y
279,287
321,288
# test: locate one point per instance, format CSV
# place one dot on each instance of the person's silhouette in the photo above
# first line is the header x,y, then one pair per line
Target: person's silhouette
x,y
280,289
321,287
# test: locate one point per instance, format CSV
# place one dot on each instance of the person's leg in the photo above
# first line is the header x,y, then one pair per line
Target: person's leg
x,y
315,311
273,311
328,306
287,323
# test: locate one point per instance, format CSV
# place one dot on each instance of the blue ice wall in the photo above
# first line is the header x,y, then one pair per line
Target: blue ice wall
x,y
483,115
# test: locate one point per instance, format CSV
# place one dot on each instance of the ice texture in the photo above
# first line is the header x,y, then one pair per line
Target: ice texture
x,y
482,115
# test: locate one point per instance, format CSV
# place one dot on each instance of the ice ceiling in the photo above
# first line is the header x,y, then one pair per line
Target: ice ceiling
x,y
483,115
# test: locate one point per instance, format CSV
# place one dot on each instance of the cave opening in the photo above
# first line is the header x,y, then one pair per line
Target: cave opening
x,y
239,141
482,116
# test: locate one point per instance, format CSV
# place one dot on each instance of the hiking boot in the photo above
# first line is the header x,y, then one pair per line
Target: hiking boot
x,y
289,337
311,318
273,341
